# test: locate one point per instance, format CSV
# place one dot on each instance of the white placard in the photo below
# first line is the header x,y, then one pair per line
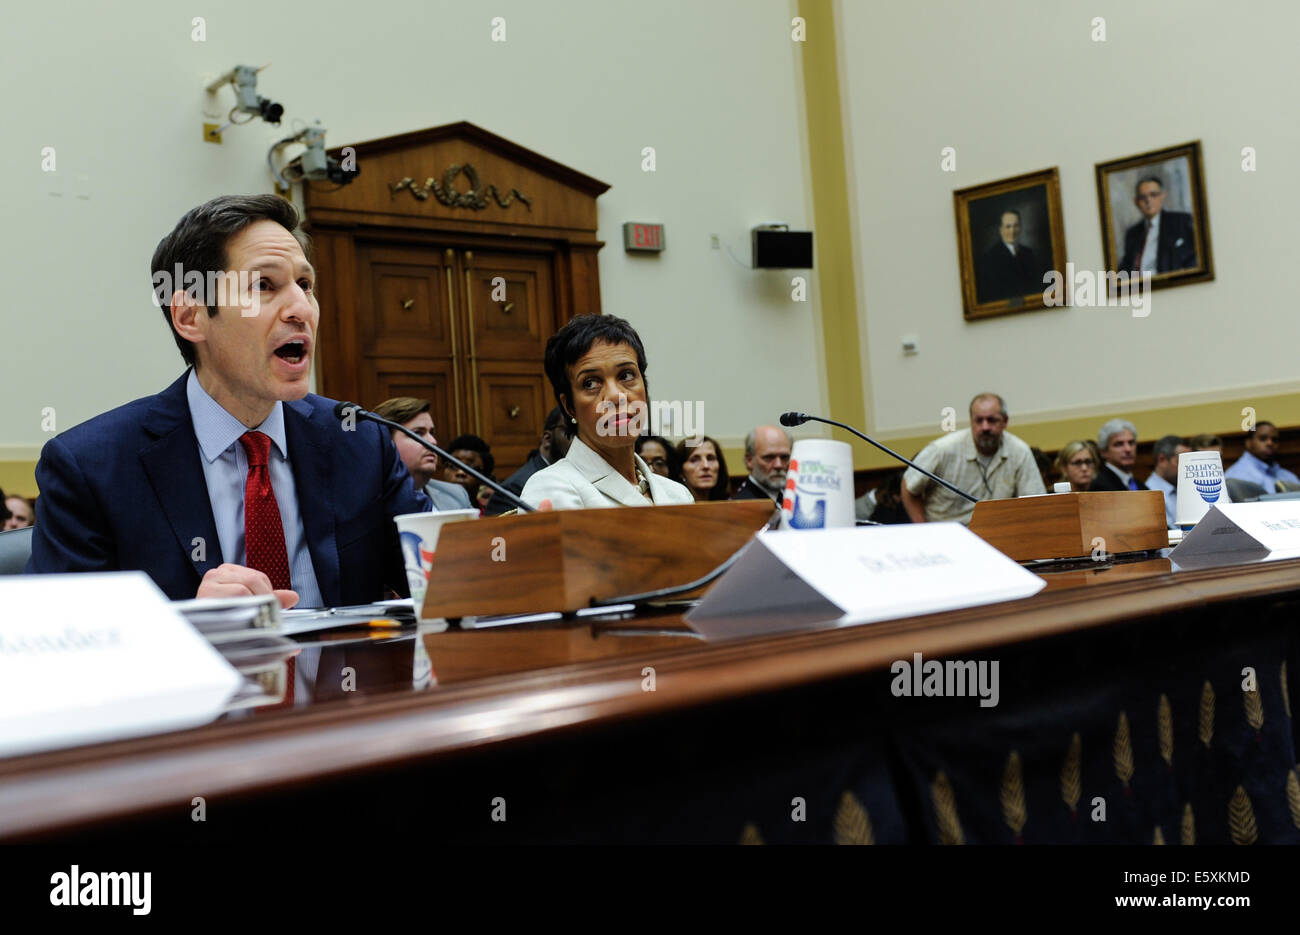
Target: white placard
x,y
841,577
1234,533
94,657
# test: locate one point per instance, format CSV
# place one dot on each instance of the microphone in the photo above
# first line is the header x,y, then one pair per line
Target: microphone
x,y
342,410
799,418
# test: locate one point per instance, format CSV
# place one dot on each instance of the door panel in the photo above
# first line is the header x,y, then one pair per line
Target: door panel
x,y
513,408
511,297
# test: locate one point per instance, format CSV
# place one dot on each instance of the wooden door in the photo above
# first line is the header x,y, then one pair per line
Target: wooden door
x,y
465,329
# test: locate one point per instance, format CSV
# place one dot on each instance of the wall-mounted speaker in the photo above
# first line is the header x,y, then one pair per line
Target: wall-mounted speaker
x,y
776,248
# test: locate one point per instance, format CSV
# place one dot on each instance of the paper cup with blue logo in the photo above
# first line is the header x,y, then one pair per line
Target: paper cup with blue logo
x,y
419,536
819,485
1200,485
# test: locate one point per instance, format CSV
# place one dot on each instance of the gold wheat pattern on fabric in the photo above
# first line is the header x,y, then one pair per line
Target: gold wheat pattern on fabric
x,y
1165,728
1207,714
852,823
1013,796
1241,819
1293,797
1071,774
750,835
1286,692
1254,709
945,810
1158,837
1189,825
1123,752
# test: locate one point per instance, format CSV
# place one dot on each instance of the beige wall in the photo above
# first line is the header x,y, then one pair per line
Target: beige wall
x,y
118,92
1016,86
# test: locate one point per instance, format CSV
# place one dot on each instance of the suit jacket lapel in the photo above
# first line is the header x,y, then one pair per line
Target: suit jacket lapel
x,y
603,477
309,458
176,474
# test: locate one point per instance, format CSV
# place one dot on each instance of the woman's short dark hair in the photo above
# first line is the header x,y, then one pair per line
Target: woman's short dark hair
x,y
674,466
568,345
198,244
722,489
468,442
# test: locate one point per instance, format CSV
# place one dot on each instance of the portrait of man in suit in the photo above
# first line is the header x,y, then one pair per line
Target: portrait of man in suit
x,y
1009,236
1009,267
1163,241
1155,220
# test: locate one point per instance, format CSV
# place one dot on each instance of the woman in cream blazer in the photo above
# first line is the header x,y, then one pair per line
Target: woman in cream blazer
x,y
596,365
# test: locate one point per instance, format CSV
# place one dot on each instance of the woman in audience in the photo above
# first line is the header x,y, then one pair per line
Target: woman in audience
x,y
704,470
596,365
1077,464
657,452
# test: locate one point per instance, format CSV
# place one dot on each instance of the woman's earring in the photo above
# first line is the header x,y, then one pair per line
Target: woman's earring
x,y
573,420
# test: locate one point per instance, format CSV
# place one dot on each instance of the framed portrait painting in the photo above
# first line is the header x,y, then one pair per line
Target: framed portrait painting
x,y
1154,217
1010,236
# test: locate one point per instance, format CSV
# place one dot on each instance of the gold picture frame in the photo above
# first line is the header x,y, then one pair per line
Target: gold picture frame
x,y
1001,276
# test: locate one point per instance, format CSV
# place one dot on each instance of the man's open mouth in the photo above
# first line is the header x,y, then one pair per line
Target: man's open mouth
x,y
292,351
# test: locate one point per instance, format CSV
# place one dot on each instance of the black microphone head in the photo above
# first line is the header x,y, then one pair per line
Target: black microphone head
x,y
793,418
342,409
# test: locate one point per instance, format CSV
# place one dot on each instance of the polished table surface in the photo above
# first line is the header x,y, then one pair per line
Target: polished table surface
x,y
445,691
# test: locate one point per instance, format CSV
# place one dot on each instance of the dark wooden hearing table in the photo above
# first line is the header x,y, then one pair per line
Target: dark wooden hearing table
x,y
554,728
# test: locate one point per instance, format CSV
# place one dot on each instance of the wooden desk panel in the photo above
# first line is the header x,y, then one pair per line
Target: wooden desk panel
x,y
498,687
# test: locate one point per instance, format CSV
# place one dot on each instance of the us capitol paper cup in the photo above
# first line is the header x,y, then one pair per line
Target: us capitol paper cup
x,y
1200,485
419,536
819,486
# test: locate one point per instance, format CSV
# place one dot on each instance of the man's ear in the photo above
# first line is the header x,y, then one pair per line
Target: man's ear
x,y
188,316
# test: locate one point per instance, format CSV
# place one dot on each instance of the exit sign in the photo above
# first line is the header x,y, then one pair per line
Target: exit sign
x,y
643,238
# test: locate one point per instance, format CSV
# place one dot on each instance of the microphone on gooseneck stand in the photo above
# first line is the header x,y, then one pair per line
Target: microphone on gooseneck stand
x,y
342,410
799,418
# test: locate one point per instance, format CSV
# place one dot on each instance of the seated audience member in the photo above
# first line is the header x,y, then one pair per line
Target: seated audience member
x,y
1257,463
1077,464
420,461
1165,476
1206,442
551,447
986,461
20,511
1118,443
235,479
1044,465
596,365
883,505
704,469
767,458
658,454
475,452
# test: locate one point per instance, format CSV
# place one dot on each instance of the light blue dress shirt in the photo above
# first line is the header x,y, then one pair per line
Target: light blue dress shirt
x,y
1156,482
225,468
1253,469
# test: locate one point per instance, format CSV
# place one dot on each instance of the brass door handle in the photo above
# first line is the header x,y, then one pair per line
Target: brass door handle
x,y
513,412
407,303
506,307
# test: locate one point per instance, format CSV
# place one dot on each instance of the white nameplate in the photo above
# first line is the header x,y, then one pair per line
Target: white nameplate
x,y
1237,533
809,579
93,657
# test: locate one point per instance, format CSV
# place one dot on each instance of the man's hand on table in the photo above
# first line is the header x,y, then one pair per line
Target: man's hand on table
x,y
237,581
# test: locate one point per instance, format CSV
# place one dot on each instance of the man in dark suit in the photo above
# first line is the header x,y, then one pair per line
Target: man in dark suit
x,y
1008,268
1117,441
553,445
235,460
1163,241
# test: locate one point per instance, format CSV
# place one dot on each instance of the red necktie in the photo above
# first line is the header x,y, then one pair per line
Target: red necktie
x,y
263,532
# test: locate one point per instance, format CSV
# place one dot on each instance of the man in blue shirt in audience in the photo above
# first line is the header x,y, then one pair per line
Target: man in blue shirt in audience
x,y
1256,463
234,480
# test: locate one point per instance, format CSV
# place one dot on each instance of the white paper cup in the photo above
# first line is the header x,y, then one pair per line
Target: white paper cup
x,y
419,537
819,486
1200,485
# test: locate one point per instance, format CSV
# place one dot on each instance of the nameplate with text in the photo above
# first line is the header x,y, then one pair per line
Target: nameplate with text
x,y
96,657
1238,533
809,579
